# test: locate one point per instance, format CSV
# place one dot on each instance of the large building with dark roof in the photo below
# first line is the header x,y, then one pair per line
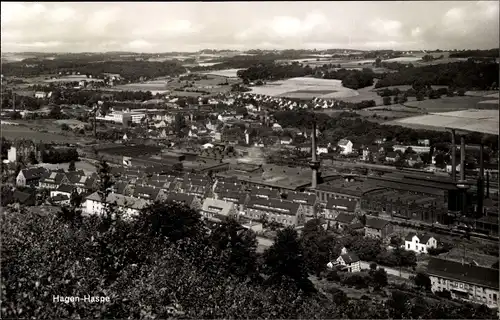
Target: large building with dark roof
x,y
282,211
465,281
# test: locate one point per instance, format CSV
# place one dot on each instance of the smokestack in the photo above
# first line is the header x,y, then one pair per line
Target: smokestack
x,y
480,182
462,158
453,160
487,185
314,164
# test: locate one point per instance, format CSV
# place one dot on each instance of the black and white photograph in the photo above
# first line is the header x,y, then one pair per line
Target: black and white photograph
x,y
249,160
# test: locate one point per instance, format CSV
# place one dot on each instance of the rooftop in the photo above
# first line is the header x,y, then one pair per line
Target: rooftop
x,y
477,275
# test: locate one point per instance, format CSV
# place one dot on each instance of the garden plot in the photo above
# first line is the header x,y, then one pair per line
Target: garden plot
x,y
228,73
305,88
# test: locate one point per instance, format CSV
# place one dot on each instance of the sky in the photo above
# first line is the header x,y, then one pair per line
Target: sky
x,y
193,26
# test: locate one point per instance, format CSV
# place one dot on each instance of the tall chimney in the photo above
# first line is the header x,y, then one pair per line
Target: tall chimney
x,y
453,159
487,185
314,164
480,182
462,158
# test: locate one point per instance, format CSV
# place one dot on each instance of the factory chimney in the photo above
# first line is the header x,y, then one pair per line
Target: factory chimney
x,y
314,164
480,183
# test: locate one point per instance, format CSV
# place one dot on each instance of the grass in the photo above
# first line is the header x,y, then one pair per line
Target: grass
x,y
446,104
51,132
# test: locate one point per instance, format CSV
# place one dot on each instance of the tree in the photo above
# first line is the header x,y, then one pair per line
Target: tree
x,y
419,96
285,262
461,92
64,127
171,220
422,281
179,124
378,278
239,245
377,62
55,112
386,101
319,247
32,158
71,166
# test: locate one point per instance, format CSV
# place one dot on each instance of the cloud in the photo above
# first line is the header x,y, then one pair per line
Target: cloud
x,y
180,26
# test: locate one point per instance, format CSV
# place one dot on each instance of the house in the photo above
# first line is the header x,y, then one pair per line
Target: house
x,y
24,198
306,199
335,206
343,220
64,189
391,156
148,193
127,206
369,152
419,243
465,281
189,200
286,140
285,212
30,177
423,142
413,160
265,193
345,146
40,95
60,199
240,199
82,182
53,180
218,210
378,228
349,261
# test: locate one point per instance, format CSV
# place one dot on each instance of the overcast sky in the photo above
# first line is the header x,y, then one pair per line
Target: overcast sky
x,y
190,26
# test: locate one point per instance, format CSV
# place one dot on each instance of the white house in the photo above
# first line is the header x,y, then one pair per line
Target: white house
x,y
286,140
40,95
348,260
419,243
207,145
320,150
127,206
218,210
346,146
12,154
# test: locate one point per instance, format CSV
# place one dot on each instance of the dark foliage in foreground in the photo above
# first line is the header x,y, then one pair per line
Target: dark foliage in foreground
x,y
149,270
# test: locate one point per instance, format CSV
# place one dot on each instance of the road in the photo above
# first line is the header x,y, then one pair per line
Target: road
x,y
389,270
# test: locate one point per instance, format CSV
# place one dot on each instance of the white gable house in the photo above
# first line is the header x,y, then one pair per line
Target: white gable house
x,y
345,146
420,243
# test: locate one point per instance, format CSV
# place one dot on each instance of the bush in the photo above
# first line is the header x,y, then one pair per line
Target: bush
x,y
386,100
332,275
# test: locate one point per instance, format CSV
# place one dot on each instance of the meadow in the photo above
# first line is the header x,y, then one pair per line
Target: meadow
x,y
229,73
23,132
446,104
305,88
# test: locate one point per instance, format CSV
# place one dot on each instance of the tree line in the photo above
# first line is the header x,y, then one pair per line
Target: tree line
x,y
467,75
130,70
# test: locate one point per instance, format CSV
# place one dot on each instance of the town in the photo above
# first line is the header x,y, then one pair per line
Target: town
x,y
335,183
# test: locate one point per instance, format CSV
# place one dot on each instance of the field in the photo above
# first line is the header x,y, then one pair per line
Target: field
x,y
228,73
305,88
214,84
446,104
79,165
39,130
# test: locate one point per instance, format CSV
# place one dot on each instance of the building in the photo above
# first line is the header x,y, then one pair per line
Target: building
x,y
218,210
348,260
239,198
64,190
345,146
336,206
306,199
391,156
189,200
123,117
413,160
40,95
12,154
417,149
53,180
149,193
344,220
465,281
127,206
286,140
420,243
30,177
341,189
378,228
285,212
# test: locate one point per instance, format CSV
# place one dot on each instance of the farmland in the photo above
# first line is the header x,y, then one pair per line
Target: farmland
x,y
39,130
305,88
213,84
228,73
446,104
